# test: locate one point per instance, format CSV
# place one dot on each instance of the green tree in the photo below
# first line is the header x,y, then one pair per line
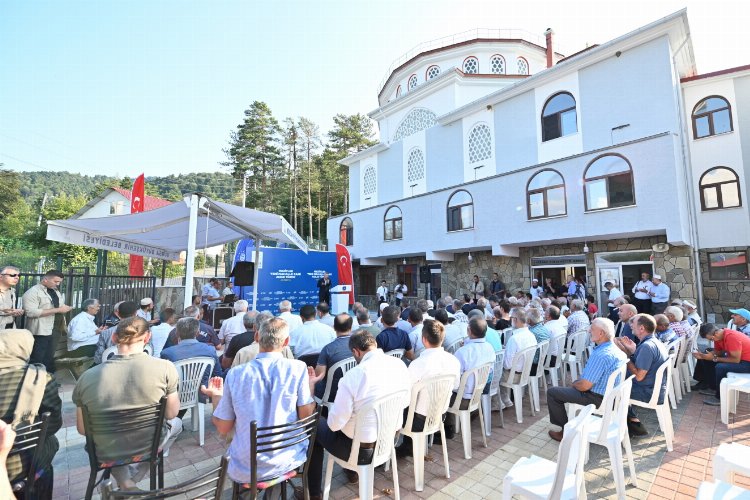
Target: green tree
x,y
10,192
62,207
309,142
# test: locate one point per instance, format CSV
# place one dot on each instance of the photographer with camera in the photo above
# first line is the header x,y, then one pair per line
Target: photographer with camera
x,y
400,291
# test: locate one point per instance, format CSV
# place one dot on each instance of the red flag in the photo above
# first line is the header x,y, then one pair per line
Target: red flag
x,y
137,196
346,276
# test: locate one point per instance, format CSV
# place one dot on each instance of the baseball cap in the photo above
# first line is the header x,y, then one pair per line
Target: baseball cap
x,y
741,312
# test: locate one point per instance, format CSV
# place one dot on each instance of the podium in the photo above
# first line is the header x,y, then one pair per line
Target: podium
x,y
340,299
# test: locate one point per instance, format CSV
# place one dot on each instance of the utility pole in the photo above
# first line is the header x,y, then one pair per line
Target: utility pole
x,y
244,189
41,210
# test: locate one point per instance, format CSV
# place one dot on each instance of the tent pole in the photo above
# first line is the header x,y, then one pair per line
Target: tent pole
x,y
190,256
255,272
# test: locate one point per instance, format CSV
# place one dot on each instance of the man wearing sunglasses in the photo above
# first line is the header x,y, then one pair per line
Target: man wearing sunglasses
x,y
8,311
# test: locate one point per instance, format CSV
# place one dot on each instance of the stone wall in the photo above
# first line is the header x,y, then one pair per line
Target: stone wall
x,y
720,296
170,296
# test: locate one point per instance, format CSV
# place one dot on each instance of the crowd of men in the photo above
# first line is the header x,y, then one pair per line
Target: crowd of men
x,y
282,361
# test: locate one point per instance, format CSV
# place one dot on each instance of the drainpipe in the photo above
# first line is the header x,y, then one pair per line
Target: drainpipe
x,y
692,219
550,52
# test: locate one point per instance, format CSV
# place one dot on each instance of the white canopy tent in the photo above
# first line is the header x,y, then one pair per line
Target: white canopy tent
x,y
165,232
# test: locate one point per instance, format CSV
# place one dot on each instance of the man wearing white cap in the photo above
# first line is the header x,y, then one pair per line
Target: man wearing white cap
x,y
641,298
146,310
659,294
691,312
535,290
614,293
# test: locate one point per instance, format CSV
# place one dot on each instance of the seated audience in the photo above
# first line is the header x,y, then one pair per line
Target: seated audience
x,y
491,335
731,354
405,309
28,392
415,333
453,330
280,391
663,330
502,316
248,353
146,311
392,337
207,334
740,321
521,339
365,323
336,351
312,336
468,305
324,315
234,325
376,375
124,311
691,312
101,389
244,339
433,362
459,314
578,319
644,360
605,359
83,334
294,321
626,313
160,332
676,323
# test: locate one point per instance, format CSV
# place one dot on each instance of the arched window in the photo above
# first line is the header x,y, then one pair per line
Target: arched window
x,y
471,65
523,66
608,183
711,116
417,119
720,188
545,195
412,82
369,181
480,143
497,65
398,91
460,211
559,116
415,166
432,72
346,232
392,227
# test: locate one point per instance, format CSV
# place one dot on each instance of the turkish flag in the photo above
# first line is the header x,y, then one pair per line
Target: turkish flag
x,y
346,276
137,195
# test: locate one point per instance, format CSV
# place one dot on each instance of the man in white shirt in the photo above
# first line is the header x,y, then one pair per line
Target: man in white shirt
x,y
210,293
234,325
376,375
312,336
160,332
146,311
324,314
415,333
556,329
521,339
453,331
641,297
536,291
614,293
400,290
659,294
382,292
433,362
83,334
292,320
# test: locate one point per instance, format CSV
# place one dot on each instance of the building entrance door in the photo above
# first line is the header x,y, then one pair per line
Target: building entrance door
x,y
624,268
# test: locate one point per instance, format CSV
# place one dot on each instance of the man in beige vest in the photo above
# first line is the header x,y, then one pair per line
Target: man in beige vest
x,y
45,318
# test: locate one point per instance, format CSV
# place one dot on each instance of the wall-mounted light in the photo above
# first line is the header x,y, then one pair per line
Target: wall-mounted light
x,y
404,261
470,257
585,247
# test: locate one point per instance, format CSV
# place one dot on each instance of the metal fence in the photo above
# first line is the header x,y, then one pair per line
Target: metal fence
x,y
78,285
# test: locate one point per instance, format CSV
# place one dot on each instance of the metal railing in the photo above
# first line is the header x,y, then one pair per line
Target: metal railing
x,y
78,285
490,33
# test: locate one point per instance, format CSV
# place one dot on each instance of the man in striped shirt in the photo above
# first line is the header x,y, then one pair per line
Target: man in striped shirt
x,y
589,389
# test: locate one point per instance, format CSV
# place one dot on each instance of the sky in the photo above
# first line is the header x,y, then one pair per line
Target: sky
x,y
121,87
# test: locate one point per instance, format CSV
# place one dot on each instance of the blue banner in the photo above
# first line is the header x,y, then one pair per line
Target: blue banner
x,y
285,274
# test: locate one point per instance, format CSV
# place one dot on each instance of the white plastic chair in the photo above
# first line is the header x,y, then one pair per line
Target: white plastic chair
x,y
344,366
505,335
534,380
535,477
438,391
684,363
575,354
148,349
191,371
729,389
480,375
721,490
389,413
453,347
611,430
558,368
675,393
528,357
662,409
108,353
497,375
396,353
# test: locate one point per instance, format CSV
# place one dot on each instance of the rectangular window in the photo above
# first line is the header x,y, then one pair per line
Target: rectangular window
x,y
568,122
408,274
727,266
596,194
722,122
550,127
367,281
620,190
702,127
467,216
397,231
536,205
556,201
730,196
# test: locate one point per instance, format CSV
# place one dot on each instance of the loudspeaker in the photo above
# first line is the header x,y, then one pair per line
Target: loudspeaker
x,y
424,274
243,273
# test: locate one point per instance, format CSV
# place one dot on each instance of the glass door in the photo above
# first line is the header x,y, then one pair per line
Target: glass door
x,y
607,273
